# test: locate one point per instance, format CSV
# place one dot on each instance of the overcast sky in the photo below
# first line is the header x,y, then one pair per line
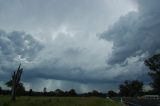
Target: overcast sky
x,y
81,44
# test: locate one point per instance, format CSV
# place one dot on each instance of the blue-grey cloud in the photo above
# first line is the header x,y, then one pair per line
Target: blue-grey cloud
x,y
45,17
73,55
16,47
136,33
68,59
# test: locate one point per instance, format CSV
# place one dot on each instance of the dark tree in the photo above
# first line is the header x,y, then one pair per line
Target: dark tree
x,y
0,90
154,65
112,94
72,92
124,88
15,84
131,88
20,89
95,93
20,86
30,92
59,92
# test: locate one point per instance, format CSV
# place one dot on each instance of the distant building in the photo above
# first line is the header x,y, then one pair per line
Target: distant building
x,y
151,97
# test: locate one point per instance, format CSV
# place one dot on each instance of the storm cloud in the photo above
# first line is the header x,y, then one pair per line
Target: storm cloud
x,y
16,47
83,45
136,33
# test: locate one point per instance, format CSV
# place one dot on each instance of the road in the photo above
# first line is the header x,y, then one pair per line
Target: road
x,y
138,102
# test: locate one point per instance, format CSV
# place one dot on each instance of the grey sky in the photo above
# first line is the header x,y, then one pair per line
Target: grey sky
x,y
81,44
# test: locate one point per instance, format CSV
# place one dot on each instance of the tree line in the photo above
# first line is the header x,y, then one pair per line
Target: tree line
x,y
135,87
56,93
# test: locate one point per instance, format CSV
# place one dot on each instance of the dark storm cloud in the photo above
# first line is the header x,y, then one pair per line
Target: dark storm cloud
x,y
148,6
136,33
66,58
16,47
134,37
78,75
73,55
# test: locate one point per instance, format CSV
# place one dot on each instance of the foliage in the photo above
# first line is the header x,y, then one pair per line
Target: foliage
x,y
72,92
112,94
153,64
131,88
59,92
20,87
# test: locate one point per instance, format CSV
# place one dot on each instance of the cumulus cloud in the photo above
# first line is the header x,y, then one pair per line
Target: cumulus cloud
x,y
16,47
72,58
136,33
64,63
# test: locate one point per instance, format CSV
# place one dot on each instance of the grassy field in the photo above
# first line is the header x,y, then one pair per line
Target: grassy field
x,y
58,101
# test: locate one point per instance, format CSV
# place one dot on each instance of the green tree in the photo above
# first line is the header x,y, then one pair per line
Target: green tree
x,y
153,64
131,88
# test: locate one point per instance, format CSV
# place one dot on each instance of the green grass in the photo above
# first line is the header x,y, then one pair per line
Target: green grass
x,y
58,101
